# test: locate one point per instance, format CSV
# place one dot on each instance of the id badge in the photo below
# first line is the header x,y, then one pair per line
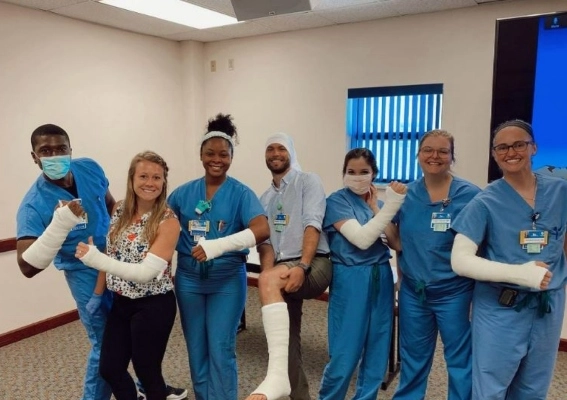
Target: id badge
x,y
83,218
280,221
440,221
198,228
533,240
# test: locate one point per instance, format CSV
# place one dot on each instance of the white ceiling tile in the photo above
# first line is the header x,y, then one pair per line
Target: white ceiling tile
x,y
107,15
325,12
325,4
199,35
365,12
295,21
243,29
405,7
44,4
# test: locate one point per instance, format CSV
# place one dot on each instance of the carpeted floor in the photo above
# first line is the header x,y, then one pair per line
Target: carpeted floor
x,y
50,366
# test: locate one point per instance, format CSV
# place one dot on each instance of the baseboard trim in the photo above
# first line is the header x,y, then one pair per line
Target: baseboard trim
x,y
563,345
38,327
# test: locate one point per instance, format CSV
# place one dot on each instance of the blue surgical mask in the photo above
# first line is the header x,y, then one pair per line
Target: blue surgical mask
x,y
56,167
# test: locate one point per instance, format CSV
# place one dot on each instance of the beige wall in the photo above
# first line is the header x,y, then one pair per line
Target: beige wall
x,y
118,93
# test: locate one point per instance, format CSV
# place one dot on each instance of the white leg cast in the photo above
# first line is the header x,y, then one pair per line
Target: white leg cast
x,y
276,325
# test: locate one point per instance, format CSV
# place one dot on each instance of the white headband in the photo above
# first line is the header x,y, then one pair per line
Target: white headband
x,y
220,134
286,141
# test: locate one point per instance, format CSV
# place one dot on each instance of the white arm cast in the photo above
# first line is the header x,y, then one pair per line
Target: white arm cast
x,y
237,241
151,267
364,236
465,262
44,249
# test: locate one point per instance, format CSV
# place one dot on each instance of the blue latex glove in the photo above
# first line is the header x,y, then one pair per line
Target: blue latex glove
x,y
94,303
107,299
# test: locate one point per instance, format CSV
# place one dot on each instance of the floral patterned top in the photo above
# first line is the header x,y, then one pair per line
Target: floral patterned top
x,y
131,247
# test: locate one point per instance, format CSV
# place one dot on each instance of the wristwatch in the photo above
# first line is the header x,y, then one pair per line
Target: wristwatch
x,y
306,268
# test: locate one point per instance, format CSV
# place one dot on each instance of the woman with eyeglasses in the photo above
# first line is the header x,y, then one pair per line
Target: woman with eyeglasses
x,y
432,298
519,223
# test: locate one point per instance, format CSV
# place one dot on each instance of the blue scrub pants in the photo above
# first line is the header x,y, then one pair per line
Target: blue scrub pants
x,y
445,309
210,311
514,352
361,305
82,284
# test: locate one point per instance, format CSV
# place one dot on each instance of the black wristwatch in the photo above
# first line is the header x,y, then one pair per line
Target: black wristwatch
x,y
306,268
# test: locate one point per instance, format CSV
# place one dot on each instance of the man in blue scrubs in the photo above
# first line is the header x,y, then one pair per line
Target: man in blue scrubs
x,y
45,236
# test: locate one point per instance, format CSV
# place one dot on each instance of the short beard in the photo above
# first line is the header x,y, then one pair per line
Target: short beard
x,y
280,170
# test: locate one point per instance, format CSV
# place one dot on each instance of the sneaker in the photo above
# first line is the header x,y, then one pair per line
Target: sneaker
x,y
173,393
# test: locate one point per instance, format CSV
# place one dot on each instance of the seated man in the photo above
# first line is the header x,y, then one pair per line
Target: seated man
x,y
295,266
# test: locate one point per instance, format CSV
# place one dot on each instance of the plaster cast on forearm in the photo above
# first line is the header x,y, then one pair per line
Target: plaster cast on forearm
x,y
151,267
238,241
44,249
363,236
465,262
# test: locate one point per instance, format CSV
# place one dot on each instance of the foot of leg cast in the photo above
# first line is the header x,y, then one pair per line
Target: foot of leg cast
x,y
276,325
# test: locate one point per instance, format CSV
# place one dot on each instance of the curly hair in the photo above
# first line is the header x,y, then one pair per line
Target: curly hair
x,y
222,123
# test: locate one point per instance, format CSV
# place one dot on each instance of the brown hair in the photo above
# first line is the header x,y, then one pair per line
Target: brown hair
x,y
439,133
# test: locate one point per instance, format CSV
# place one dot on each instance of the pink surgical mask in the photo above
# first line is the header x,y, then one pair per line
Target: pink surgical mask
x,y
359,184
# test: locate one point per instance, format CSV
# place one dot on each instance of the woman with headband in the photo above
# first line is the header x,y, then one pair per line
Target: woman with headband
x,y
433,299
518,303
220,219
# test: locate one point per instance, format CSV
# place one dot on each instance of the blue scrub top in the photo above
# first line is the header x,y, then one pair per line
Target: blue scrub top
x,y
36,210
233,206
343,205
426,254
496,216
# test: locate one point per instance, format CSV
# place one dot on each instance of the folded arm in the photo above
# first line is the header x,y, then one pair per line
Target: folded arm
x,y
465,262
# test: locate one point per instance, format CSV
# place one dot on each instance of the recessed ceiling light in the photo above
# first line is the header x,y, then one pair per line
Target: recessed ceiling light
x,y
176,11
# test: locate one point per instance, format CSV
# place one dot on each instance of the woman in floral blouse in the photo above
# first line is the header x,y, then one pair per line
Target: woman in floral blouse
x,y
140,246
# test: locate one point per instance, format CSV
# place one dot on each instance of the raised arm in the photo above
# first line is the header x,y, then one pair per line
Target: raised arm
x,y
36,254
363,236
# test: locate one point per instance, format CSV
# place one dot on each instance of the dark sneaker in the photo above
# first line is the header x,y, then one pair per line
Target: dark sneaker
x,y
175,393
172,393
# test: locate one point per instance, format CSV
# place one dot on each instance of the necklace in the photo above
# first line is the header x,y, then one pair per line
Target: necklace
x,y
534,191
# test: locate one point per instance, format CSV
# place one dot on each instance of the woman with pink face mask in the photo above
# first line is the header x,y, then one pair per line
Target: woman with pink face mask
x,y
361,300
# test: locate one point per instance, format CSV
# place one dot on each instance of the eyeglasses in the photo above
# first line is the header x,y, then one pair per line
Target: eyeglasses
x,y
443,152
519,146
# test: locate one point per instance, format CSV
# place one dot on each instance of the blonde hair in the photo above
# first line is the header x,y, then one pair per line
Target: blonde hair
x,y
130,204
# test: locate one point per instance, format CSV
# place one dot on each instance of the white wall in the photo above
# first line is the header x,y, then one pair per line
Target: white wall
x,y
117,93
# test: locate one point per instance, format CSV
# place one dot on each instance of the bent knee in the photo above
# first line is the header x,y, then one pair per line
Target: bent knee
x,y
271,278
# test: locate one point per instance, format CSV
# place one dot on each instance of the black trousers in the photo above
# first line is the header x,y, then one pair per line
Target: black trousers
x,y
137,330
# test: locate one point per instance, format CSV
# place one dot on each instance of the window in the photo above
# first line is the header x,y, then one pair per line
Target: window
x,y
389,121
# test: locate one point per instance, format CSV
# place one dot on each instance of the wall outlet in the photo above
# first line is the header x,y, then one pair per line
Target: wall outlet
x,y
213,66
